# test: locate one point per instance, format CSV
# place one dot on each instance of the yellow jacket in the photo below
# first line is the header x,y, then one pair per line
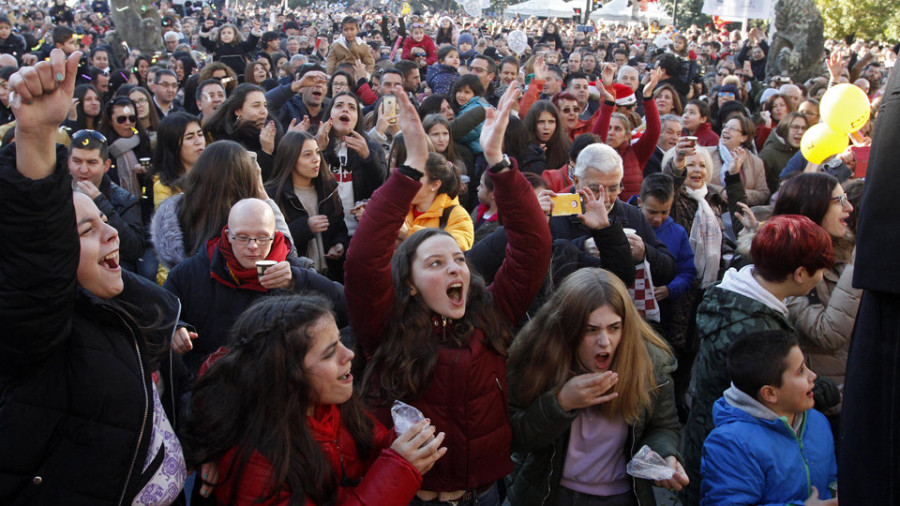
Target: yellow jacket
x,y
459,223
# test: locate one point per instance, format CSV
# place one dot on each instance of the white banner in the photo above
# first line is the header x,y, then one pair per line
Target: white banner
x,y
739,9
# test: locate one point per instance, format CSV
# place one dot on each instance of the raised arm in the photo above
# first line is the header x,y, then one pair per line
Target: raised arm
x,y
368,285
646,145
528,251
38,264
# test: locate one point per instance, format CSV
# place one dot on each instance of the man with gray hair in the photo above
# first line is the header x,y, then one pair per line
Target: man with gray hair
x,y
599,170
672,126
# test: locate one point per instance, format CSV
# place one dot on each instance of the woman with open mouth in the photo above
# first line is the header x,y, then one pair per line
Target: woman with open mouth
x,y
276,409
79,357
433,334
587,375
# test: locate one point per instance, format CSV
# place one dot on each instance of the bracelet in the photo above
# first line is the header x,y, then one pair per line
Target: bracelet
x,y
410,172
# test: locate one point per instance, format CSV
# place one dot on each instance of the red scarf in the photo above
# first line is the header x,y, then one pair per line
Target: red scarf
x,y
241,277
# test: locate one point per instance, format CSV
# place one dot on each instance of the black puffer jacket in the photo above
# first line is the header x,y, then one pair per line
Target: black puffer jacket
x,y
75,371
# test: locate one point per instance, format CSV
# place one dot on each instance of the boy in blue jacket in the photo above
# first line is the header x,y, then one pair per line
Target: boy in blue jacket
x,y
769,445
676,305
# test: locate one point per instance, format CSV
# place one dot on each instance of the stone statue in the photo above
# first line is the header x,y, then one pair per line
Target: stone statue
x,y
137,26
798,44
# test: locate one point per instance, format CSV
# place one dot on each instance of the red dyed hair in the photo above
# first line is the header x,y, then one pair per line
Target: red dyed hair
x,y
563,95
789,241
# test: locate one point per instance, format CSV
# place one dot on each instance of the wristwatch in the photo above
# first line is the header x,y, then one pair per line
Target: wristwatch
x,y
502,164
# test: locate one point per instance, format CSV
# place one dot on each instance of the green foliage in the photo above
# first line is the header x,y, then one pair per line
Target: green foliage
x,y
865,19
688,13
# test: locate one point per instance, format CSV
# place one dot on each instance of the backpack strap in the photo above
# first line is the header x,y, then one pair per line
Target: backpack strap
x,y
445,217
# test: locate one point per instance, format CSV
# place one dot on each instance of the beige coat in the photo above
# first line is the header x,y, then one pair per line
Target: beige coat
x,y
339,53
753,174
825,325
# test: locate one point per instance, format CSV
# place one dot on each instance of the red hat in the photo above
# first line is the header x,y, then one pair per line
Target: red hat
x,y
624,95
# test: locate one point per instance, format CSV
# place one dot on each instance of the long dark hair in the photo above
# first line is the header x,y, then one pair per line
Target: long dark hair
x,y
256,398
470,81
167,154
808,194
351,83
81,123
557,150
286,156
223,124
223,175
407,358
433,120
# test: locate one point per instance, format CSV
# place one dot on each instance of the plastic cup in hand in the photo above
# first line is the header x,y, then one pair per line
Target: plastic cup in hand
x,y
262,265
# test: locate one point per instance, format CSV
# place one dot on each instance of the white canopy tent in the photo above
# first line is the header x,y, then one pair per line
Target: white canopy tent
x,y
619,10
544,8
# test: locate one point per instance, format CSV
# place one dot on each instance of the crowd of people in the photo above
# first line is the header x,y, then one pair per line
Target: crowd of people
x,y
231,259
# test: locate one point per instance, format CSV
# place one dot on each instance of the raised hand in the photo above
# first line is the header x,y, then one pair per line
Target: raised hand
x,y
540,68
655,76
357,143
494,128
683,148
40,97
746,216
587,390
739,156
835,64
267,137
414,134
301,126
608,74
322,137
595,216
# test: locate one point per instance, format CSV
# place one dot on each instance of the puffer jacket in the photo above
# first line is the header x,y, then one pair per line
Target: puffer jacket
x,y
635,155
341,52
466,397
722,317
754,460
459,223
386,479
440,78
824,320
541,438
75,371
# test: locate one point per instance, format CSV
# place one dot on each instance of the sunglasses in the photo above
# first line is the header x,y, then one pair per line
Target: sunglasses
x,y
85,136
126,119
568,110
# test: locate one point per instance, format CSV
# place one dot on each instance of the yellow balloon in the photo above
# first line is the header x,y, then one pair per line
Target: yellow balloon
x,y
845,108
820,142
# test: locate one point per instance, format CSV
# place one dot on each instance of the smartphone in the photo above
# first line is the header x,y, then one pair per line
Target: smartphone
x,y
390,105
567,204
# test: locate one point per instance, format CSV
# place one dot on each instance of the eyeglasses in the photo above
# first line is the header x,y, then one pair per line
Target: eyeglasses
x,y
842,199
83,137
126,119
723,74
141,101
568,110
616,188
243,239
733,129
798,128
477,70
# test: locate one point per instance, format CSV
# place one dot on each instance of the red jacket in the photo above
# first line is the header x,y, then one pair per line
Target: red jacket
x,y
387,478
427,44
705,135
467,397
634,155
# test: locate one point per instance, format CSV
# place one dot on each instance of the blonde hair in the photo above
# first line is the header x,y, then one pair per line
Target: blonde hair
x,y
543,355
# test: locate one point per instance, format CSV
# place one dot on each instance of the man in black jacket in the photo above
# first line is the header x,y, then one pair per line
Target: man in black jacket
x,y
88,163
599,168
222,280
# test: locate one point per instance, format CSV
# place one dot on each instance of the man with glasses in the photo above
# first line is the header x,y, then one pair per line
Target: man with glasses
x,y
219,282
599,169
165,86
88,164
486,70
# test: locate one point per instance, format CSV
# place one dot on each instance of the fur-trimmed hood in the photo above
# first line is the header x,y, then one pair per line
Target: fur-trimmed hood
x,y
166,234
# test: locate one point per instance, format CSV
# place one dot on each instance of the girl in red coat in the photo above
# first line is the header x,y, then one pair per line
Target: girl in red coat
x,y
434,335
417,38
277,412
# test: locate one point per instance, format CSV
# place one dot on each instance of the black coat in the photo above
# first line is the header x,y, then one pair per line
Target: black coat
x,y
297,218
662,263
75,371
212,308
870,423
368,174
